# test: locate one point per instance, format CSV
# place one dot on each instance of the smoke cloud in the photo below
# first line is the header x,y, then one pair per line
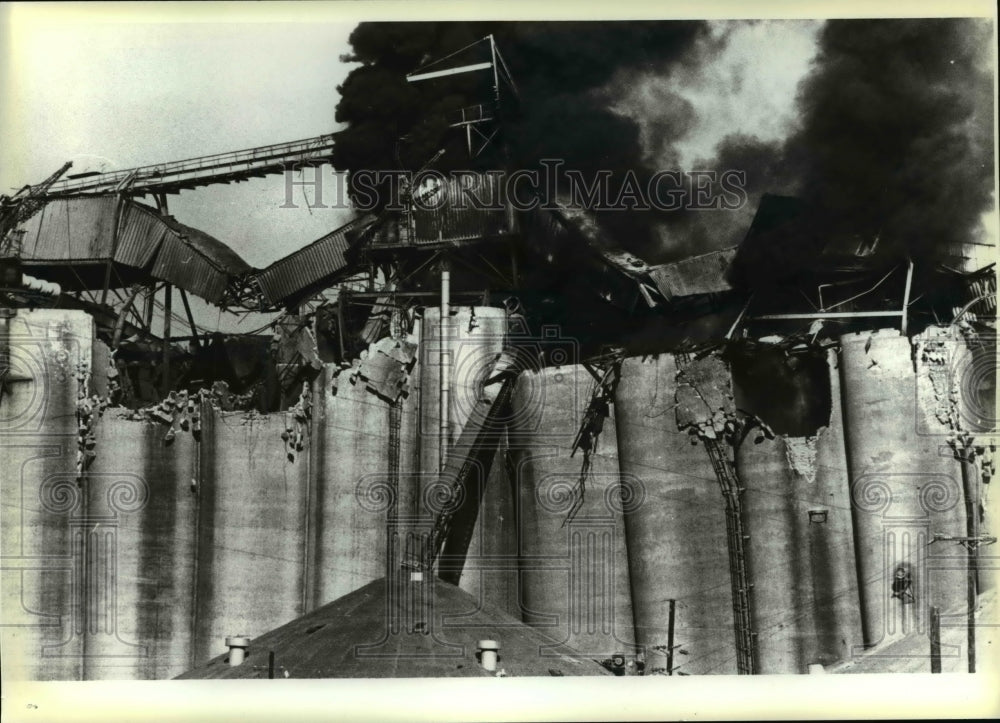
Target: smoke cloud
x,y
563,109
896,136
889,132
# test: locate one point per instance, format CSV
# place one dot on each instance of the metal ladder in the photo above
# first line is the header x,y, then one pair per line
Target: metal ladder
x,y
725,472
732,491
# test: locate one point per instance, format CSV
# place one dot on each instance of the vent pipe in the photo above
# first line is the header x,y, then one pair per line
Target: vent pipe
x,y
489,650
238,645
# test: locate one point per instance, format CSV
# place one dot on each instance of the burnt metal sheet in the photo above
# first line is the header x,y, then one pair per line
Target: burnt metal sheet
x,y
183,265
586,227
81,231
72,229
217,253
459,219
140,233
617,276
452,215
702,274
322,259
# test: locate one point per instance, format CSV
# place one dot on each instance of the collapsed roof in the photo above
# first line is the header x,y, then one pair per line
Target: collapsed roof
x,y
75,239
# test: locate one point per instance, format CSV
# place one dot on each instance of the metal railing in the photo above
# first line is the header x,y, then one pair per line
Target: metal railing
x,y
202,170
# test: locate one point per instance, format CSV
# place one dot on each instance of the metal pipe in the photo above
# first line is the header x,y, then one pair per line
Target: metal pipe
x,y
415,294
935,639
670,636
906,298
340,325
496,73
444,338
821,315
971,479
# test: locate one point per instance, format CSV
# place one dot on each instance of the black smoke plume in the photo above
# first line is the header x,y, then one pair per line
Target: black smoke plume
x,y
561,111
895,132
896,138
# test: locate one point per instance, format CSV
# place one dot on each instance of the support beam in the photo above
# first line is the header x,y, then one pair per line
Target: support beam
x,y
150,296
670,636
190,318
127,306
340,325
415,294
906,298
449,71
827,315
168,293
496,75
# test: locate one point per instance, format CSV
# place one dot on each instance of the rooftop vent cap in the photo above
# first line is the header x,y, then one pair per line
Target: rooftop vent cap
x,y
238,645
488,651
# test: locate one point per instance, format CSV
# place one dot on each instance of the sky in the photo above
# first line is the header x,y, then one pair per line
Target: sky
x,y
120,95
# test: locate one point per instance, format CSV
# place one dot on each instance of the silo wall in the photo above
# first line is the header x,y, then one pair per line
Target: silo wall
x,y
352,496
252,525
574,576
141,566
804,600
675,527
906,486
46,354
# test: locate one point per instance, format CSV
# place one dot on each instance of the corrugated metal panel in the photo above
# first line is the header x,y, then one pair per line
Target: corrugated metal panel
x,y
220,255
74,229
80,230
184,266
458,219
320,259
139,236
703,274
